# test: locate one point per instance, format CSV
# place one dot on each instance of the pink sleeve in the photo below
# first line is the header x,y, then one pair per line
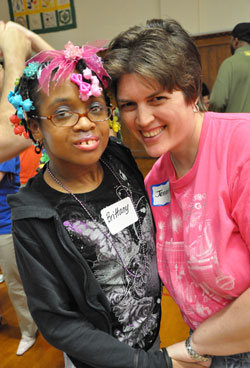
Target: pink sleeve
x,y
241,201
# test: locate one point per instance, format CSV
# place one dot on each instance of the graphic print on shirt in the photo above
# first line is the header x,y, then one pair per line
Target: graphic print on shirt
x,y
132,299
191,260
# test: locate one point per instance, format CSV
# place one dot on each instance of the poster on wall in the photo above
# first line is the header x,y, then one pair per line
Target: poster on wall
x,y
42,16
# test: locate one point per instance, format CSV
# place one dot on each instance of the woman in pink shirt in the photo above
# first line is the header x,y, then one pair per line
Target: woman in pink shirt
x,y
199,188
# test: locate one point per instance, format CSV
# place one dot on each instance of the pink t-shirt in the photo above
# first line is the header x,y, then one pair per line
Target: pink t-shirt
x,y
203,219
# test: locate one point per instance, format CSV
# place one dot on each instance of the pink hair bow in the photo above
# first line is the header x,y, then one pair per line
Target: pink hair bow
x,y
65,62
87,89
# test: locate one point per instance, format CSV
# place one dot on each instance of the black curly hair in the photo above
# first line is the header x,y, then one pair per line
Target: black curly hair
x,y
28,88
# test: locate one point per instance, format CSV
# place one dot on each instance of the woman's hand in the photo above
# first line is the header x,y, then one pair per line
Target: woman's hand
x,y
179,352
181,364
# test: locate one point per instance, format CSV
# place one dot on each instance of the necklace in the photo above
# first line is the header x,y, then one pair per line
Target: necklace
x,y
132,274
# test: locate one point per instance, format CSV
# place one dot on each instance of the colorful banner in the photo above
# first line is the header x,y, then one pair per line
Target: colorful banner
x,y
42,16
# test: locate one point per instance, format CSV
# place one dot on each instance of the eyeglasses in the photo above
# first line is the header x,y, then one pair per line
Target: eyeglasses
x,y
66,118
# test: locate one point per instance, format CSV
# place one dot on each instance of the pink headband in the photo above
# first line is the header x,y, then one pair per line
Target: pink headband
x,y
66,60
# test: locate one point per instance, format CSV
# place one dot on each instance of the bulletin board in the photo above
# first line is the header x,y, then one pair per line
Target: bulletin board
x,y
42,16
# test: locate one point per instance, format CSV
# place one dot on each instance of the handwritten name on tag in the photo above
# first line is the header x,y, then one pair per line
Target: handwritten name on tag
x,y
160,194
119,215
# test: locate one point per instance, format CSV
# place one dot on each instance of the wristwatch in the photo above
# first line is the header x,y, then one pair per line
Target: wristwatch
x,y
193,354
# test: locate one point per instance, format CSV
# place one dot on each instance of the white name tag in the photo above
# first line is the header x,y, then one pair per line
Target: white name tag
x,y
119,215
160,194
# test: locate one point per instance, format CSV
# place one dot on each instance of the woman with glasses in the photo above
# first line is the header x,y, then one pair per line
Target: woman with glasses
x,y
82,228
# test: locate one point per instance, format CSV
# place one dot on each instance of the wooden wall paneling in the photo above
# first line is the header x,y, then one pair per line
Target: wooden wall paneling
x,y
130,141
213,49
145,164
143,160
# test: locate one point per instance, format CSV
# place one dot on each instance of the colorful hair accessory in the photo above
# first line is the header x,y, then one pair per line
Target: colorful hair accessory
x,y
44,159
17,81
87,89
114,124
31,70
87,73
15,119
65,62
16,100
112,98
19,128
84,87
72,52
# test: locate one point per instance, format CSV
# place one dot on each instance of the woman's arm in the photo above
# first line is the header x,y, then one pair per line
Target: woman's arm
x,y
16,44
2,174
37,42
15,48
227,332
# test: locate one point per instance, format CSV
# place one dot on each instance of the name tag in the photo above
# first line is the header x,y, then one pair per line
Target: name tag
x,y
119,215
160,194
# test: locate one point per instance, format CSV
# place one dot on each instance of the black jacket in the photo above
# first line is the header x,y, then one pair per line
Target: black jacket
x,y
64,298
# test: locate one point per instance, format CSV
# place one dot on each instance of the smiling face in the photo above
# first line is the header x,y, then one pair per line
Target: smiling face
x,y
162,121
68,147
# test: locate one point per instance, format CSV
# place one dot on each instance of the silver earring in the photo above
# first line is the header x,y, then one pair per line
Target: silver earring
x,y
196,108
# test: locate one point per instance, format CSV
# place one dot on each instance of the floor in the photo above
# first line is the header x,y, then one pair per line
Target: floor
x,y
41,355
173,328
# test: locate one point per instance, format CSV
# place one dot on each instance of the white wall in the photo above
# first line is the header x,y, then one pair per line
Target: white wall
x,y
98,19
206,16
103,19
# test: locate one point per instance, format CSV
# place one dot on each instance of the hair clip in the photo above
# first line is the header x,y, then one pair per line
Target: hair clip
x,y
86,89
31,70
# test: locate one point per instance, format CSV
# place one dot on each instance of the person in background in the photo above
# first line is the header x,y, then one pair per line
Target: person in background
x,y
14,40
199,187
9,184
205,95
29,164
1,83
16,45
231,90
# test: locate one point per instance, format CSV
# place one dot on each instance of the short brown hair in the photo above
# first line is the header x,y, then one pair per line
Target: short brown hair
x,y
161,51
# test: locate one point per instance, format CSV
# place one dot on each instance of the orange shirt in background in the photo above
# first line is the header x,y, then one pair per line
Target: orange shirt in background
x,y
29,162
